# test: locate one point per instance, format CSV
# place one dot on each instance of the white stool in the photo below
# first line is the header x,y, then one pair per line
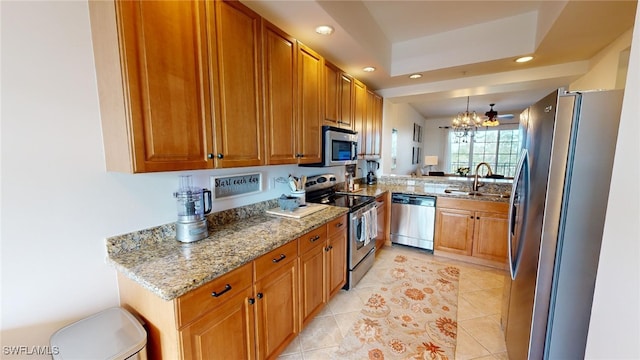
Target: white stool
x,y
112,334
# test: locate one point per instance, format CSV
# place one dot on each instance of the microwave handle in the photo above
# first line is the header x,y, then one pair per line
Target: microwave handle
x,y
354,150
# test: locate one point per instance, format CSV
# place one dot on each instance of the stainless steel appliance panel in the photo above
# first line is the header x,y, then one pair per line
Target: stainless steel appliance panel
x,y
360,242
413,220
571,156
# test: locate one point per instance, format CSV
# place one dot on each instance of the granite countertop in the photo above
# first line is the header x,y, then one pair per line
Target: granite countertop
x,y
433,189
169,268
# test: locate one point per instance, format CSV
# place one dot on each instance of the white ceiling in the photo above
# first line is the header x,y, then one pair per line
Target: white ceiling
x,y
462,48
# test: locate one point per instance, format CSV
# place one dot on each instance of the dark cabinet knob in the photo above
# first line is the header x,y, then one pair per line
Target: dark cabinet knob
x,y
252,301
259,295
209,156
220,156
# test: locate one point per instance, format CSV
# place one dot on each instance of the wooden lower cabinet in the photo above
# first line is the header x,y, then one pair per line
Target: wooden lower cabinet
x,y
454,231
472,230
276,309
225,332
252,312
323,265
336,252
383,201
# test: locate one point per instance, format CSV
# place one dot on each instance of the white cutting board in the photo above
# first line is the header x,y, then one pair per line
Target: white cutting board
x,y
298,213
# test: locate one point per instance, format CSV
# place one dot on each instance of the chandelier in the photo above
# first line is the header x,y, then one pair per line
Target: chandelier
x,y
465,124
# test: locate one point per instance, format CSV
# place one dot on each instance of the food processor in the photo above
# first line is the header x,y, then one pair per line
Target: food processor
x,y
192,224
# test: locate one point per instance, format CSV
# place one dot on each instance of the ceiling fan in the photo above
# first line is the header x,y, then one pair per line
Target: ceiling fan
x,y
491,117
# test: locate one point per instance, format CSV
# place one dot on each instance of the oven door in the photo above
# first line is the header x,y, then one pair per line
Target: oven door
x,y
360,241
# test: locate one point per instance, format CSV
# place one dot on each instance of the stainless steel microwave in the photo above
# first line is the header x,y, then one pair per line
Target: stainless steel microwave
x,y
339,147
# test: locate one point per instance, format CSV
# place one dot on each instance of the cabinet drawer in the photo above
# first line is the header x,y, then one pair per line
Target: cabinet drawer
x,y
196,303
336,225
275,259
312,239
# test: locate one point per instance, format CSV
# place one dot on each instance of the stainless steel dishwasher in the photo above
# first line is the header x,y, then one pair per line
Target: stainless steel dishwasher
x,y
413,220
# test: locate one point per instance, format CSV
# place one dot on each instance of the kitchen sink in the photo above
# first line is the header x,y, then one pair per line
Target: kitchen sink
x,y
474,193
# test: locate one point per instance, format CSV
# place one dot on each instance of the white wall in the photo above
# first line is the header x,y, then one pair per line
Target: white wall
x,y
615,317
400,117
58,202
603,68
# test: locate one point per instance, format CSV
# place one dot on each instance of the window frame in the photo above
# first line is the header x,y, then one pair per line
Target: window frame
x,y
470,162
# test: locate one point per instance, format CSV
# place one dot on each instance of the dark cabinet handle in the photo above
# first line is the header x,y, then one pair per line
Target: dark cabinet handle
x,y
315,238
259,295
252,301
220,156
328,248
282,256
209,156
339,224
471,217
477,217
226,288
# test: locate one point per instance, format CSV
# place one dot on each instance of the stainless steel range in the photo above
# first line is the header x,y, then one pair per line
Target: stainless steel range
x,y
362,227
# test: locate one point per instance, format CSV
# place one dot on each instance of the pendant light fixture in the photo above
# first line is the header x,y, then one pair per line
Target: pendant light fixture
x,y
492,117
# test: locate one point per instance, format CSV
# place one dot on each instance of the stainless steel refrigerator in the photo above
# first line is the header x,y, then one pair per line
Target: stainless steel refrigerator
x,y
557,211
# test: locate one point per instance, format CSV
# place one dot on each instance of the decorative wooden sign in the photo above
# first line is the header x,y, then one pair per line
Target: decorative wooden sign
x,y
235,185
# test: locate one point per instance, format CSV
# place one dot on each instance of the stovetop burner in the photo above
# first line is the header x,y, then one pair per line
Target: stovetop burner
x,y
353,202
321,190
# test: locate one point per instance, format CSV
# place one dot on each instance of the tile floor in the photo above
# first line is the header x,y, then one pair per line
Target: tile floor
x,y
479,306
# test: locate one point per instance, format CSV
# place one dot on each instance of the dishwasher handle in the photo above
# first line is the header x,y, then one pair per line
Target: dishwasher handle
x,y
418,200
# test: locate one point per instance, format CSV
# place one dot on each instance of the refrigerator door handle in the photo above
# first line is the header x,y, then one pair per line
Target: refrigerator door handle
x,y
516,195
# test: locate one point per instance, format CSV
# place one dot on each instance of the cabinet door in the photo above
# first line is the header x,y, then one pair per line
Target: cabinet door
x,y
276,310
310,104
377,125
235,43
331,94
369,123
166,86
490,236
336,262
279,51
454,231
312,283
225,332
359,114
346,101
381,238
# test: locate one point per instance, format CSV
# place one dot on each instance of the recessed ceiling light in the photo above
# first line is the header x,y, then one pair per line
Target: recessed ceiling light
x,y
524,59
324,30
369,69
415,76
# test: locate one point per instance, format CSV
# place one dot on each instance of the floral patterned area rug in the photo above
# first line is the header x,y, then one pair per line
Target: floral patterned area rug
x,y
411,316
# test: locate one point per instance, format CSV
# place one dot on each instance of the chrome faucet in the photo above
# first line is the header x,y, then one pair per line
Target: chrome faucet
x,y
476,184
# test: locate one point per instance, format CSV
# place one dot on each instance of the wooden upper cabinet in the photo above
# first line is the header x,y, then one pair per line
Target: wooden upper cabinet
x,y
346,101
235,45
280,51
310,105
359,114
332,94
377,119
338,97
153,83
